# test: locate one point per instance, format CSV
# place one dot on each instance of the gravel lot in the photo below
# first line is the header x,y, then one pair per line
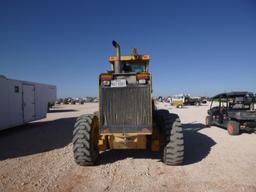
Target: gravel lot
x,y
38,157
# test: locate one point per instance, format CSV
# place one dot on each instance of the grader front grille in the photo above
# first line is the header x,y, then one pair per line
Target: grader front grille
x,y
125,109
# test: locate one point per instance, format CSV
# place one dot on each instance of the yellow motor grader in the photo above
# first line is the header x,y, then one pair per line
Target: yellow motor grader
x,y
127,117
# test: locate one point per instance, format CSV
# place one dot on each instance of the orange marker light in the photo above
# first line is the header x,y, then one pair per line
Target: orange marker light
x,y
145,57
142,76
106,77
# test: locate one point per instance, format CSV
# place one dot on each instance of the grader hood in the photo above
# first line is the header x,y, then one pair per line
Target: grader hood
x,y
126,110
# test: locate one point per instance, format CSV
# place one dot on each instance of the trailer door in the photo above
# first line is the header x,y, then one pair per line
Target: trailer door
x,y
28,103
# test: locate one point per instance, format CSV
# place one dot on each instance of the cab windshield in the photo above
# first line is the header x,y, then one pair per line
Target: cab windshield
x,y
129,67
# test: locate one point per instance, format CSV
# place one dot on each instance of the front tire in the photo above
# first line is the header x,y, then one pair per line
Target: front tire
x,y
233,128
173,150
85,140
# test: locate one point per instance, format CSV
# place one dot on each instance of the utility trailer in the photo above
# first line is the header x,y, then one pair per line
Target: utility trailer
x,y
22,101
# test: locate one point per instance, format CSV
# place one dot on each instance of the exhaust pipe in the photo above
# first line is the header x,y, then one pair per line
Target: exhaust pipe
x,y
117,65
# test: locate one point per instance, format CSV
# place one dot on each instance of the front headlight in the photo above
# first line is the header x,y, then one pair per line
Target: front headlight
x,y
106,83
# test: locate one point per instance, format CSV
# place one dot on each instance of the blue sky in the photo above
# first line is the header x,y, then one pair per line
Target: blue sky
x,y
198,47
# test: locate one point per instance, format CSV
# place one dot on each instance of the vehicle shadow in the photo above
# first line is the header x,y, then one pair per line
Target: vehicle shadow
x,y
36,137
112,156
197,145
39,137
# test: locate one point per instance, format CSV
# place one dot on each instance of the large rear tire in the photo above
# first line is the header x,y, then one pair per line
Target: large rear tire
x,y
85,140
173,149
233,128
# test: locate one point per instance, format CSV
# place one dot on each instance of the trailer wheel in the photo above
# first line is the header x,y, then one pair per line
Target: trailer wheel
x,y
233,128
173,150
208,121
85,140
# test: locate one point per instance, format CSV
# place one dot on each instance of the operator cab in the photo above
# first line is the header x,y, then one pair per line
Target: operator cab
x,y
132,70
131,63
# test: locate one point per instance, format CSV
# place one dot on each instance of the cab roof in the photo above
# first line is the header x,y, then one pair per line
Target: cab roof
x,y
233,94
131,58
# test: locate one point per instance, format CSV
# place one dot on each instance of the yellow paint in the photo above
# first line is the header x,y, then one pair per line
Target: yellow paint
x,y
120,134
155,138
129,58
102,143
177,103
155,145
128,142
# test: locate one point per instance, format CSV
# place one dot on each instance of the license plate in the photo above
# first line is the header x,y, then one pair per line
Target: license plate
x,y
118,83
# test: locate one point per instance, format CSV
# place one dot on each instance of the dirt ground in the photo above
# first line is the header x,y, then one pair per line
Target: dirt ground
x,y
38,157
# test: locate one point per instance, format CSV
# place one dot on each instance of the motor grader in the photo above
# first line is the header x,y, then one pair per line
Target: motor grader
x,y
127,117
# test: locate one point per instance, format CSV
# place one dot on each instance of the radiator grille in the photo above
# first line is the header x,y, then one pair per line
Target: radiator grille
x,y
126,109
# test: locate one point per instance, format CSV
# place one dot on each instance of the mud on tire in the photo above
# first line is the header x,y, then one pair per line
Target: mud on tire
x,y
85,140
233,128
173,149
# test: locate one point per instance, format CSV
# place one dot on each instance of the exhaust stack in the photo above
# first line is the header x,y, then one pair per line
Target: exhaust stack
x,y
117,65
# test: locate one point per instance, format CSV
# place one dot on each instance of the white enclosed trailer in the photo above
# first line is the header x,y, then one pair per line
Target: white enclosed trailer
x,y
23,101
